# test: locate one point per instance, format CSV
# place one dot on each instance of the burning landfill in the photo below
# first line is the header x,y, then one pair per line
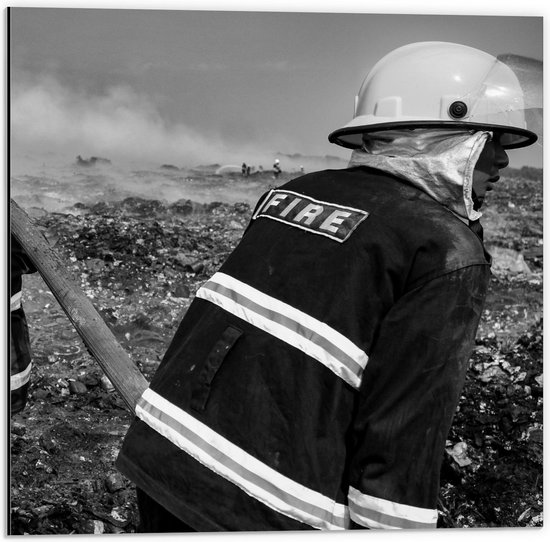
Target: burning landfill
x,y
140,261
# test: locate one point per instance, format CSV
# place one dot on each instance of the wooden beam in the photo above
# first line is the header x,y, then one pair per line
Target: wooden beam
x,y
100,341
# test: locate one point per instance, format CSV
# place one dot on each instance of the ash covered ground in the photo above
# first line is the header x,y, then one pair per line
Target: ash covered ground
x,y
141,260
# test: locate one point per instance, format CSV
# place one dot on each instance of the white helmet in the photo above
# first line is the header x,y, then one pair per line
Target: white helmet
x,y
439,84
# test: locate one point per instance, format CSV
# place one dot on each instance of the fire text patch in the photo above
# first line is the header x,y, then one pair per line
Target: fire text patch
x,y
329,219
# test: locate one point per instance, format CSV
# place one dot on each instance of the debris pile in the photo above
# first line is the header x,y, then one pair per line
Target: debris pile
x,y
140,262
492,474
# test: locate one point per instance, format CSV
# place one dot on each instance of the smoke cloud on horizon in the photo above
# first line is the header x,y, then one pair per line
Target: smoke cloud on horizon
x,y
49,119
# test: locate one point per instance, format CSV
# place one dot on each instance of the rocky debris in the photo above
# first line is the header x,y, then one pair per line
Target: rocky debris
x,y
513,217
497,466
182,290
92,161
48,442
493,374
77,387
114,482
508,262
140,262
106,384
18,429
459,453
146,246
92,526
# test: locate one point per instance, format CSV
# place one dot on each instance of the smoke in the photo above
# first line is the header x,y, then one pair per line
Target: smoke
x,y
50,119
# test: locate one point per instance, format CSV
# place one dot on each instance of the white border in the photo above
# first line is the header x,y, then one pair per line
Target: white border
x,y
429,7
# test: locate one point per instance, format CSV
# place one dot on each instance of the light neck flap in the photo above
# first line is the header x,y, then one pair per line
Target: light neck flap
x,y
439,162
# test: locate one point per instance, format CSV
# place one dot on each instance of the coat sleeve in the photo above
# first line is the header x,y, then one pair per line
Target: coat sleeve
x,y
410,391
20,352
20,263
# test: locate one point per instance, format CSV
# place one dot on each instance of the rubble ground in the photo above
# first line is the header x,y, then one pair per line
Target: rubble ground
x,y
141,261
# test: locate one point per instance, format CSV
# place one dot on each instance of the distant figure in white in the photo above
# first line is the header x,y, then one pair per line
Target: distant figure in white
x,y
276,168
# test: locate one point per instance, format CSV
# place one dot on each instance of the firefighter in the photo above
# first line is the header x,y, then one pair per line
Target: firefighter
x,y
20,349
277,168
313,380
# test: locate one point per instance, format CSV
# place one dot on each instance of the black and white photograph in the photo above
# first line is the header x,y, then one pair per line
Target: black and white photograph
x,y
273,268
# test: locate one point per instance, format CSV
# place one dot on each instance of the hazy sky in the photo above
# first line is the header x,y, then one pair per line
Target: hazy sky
x,y
191,87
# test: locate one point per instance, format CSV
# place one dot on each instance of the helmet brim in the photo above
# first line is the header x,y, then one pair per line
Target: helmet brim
x,y
351,136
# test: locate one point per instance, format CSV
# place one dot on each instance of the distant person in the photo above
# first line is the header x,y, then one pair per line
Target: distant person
x,y
302,170
248,171
313,380
20,349
243,170
277,168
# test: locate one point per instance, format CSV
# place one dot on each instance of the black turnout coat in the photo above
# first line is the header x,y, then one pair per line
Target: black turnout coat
x,y
313,380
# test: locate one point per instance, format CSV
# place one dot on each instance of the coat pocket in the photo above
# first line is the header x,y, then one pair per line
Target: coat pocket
x,y
212,363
